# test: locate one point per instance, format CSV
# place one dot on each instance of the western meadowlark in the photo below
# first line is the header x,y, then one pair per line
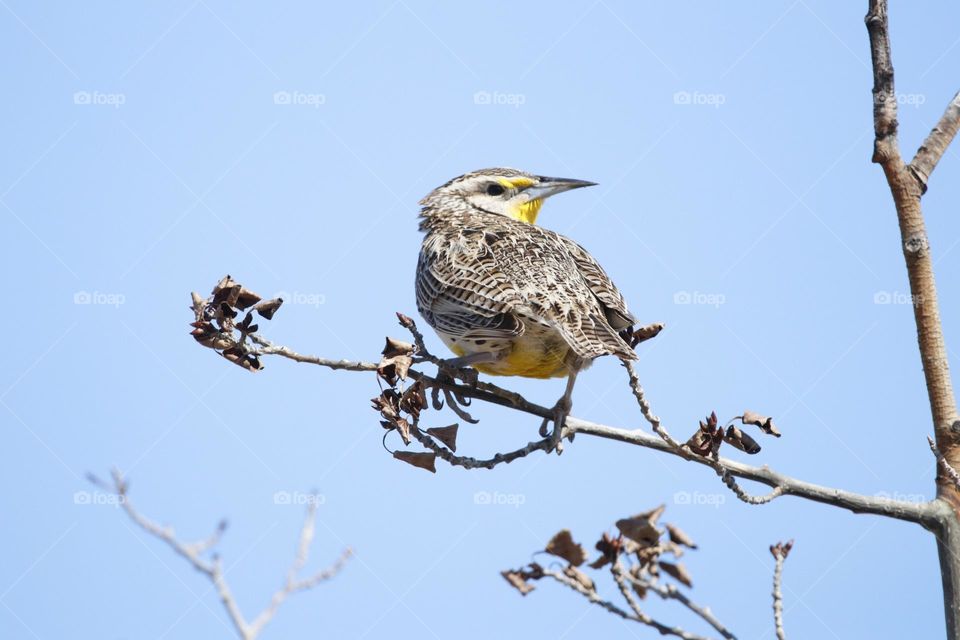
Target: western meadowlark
x,y
511,298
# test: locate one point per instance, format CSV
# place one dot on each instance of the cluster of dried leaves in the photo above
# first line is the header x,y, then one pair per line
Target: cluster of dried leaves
x,y
637,551
216,325
400,406
707,439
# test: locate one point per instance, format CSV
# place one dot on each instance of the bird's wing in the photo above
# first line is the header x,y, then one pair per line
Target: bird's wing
x,y
495,277
461,292
613,302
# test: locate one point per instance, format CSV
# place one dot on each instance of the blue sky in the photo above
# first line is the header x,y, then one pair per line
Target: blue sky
x,y
152,148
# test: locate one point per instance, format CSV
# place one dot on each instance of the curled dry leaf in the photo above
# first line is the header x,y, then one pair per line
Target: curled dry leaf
x,y
394,369
403,428
641,528
424,460
267,308
446,435
677,571
396,347
580,577
764,422
247,361
414,400
741,441
563,546
517,580
679,536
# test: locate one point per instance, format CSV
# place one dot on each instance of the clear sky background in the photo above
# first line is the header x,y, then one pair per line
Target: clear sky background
x,y
146,156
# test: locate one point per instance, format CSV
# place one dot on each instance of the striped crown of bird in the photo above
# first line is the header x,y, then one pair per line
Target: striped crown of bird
x,y
509,297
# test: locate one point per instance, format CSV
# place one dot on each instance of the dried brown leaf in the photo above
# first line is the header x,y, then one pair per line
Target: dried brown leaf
x,y
563,546
641,528
764,422
403,428
741,440
518,581
267,308
424,460
678,572
679,536
446,435
396,347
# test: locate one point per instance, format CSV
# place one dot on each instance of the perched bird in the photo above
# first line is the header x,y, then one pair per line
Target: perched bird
x,y
509,297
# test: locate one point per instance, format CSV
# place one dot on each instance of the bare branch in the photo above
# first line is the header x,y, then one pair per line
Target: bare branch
x,y
670,592
936,143
213,568
923,513
636,616
780,552
682,450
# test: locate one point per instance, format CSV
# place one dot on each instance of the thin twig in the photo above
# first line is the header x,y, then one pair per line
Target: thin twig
x,y
472,463
670,592
636,616
213,568
714,461
780,552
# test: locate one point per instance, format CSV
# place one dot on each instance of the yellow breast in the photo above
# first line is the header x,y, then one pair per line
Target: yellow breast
x,y
527,356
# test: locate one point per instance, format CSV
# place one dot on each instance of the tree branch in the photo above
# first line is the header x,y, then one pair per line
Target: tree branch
x,y
780,552
907,186
213,567
933,148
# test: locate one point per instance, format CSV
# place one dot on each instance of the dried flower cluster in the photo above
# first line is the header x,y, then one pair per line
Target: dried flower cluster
x,y
636,559
708,438
216,326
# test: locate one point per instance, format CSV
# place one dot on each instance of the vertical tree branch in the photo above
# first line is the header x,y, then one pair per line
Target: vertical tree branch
x,y
907,185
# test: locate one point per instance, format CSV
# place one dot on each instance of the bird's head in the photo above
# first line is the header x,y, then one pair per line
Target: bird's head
x,y
506,192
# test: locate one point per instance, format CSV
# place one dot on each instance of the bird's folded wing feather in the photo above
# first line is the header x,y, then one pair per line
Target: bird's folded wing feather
x,y
488,283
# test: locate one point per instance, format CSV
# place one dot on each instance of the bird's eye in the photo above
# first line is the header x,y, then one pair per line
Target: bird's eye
x,y
494,189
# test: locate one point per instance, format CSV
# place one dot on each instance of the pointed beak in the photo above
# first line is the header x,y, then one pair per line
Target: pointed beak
x,y
547,187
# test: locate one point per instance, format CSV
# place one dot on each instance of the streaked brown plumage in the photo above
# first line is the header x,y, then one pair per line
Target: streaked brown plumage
x,y
510,297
